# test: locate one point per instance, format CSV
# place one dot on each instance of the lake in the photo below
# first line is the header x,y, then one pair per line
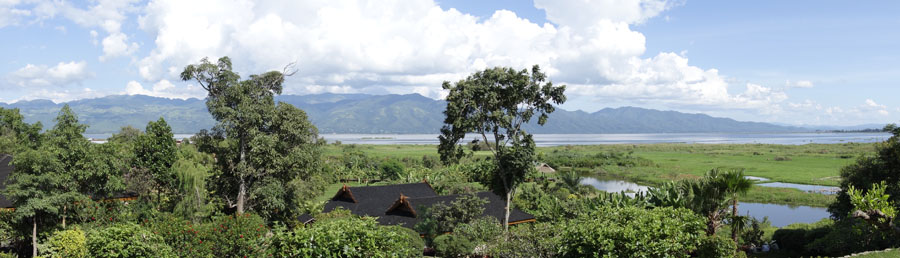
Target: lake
x,y
594,139
780,215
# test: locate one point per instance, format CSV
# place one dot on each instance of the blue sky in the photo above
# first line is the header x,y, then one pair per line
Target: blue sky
x,y
794,62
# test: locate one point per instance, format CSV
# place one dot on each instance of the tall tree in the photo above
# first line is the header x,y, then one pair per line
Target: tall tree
x,y
155,154
260,146
497,102
59,171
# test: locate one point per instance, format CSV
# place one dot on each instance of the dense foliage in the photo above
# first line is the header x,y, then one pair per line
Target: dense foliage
x,y
870,170
632,232
345,237
497,102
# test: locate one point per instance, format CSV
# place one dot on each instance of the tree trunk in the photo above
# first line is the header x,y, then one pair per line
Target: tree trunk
x,y
34,236
65,207
240,198
734,230
506,216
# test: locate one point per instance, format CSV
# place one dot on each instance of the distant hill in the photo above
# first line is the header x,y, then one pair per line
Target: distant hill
x,y
361,113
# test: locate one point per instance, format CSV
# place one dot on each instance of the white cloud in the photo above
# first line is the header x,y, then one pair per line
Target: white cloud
x,y
413,45
108,15
165,89
63,74
798,84
116,45
10,14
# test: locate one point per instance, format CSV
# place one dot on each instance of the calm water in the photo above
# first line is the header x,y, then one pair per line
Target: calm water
x,y
780,215
783,215
807,188
593,139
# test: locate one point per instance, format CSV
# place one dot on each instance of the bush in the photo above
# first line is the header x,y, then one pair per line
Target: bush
x,y
391,170
126,240
67,243
829,238
237,236
528,240
186,239
781,158
410,237
716,247
480,231
343,237
632,232
449,245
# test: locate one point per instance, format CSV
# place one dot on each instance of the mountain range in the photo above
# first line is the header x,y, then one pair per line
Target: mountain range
x,y
362,113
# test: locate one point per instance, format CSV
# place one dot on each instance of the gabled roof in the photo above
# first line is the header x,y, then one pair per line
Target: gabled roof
x,y
403,204
375,200
495,207
6,168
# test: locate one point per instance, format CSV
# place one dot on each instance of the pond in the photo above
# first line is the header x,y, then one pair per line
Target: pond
x,y
780,215
822,189
614,186
807,188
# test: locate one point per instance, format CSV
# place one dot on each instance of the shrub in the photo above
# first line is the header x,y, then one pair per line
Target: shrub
x,y
480,231
237,236
410,237
449,245
67,243
632,232
126,240
343,237
782,158
716,247
185,238
528,240
391,170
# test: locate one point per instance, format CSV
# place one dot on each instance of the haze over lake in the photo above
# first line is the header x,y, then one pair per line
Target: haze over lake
x,y
593,139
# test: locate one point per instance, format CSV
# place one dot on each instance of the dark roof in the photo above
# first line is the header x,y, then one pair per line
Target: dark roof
x,y
402,204
495,207
6,168
305,218
374,200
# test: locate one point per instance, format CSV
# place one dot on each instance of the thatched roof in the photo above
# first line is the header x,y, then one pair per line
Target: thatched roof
x,y
403,204
544,168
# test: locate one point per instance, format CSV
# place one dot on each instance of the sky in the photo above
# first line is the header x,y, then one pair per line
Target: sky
x,y
788,62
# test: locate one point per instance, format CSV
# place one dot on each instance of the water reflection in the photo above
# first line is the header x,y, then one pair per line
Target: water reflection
x,y
807,188
783,215
780,215
614,186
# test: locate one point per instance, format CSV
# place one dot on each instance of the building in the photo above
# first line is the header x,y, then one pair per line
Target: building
x,y
402,204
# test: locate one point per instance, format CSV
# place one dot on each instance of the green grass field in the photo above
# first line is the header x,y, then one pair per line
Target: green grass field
x,y
818,164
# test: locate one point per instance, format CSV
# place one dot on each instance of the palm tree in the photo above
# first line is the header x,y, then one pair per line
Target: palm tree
x,y
736,184
570,180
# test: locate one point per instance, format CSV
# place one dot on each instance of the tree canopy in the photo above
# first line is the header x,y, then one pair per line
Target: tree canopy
x,y
260,146
497,102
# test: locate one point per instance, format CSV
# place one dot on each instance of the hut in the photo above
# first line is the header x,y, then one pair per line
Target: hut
x,y
403,204
544,168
